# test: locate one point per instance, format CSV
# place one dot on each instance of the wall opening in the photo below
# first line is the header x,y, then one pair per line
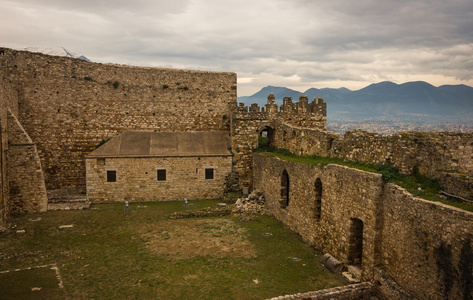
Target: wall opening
x,y
355,242
161,175
266,137
209,173
284,189
111,176
318,199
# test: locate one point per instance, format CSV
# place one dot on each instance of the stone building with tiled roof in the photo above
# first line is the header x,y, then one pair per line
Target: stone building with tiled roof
x,y
159,166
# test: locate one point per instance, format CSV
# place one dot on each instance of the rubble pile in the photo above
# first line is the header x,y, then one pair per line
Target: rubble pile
x,y
253,204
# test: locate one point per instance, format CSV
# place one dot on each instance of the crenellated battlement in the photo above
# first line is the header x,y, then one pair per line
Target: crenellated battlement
x,y
302,114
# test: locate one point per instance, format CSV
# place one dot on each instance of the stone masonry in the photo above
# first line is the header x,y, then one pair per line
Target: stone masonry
x,y
433,154
424,247
68,106
137,179
55,110
27,190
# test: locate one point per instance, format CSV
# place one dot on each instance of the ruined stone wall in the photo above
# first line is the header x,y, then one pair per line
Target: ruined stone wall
x,y
347,194
8,101
245,130
430,152
457,184
27,191
68,106
427,247
137,178
424,247
359,291
303,141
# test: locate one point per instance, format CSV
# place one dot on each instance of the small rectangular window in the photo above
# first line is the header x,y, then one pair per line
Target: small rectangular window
x,y
161,175
111,176
209,173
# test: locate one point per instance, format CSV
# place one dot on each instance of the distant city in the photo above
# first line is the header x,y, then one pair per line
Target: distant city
x,y
386,107
342,126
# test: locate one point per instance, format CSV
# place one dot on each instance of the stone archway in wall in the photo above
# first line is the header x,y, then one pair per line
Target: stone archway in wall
x,y
284,202
266,136
355,242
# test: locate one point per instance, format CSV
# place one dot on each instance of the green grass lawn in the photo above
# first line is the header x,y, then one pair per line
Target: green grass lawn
x,y
107,255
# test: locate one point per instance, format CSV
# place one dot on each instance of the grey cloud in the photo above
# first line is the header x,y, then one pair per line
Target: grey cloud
x,y
297,40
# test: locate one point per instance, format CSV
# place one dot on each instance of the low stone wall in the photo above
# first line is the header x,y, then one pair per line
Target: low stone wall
x,y
457,184
201,214
361,291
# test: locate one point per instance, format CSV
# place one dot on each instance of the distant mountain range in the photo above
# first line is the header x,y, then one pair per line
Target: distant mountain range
x,y
387,101
57,51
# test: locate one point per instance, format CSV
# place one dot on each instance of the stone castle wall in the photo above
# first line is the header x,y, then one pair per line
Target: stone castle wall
x,y
425,247
8,102
137,178
68,106
27,191
248,122
346,194
432,154
245,129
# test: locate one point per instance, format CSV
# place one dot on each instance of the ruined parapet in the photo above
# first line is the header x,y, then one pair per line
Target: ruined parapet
x,y
287,108
254,107
317,114
318,107
242,107
304,114
302,105
271,108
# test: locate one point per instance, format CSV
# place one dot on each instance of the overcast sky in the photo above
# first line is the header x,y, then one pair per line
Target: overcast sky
x,y
294,43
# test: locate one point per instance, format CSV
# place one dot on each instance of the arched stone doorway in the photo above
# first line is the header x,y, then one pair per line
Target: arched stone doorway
x,y
265,137
355,242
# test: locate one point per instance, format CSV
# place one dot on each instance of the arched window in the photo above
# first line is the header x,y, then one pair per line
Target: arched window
x,y
284,189
318,199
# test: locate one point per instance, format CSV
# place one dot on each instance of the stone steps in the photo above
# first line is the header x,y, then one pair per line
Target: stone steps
x,y
75,204
67,199
353,275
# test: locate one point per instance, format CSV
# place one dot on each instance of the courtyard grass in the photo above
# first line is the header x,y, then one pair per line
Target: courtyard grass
x,y
145,255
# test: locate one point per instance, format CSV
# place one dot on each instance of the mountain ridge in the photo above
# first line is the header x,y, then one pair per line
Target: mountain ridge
x,y
56,51
383,100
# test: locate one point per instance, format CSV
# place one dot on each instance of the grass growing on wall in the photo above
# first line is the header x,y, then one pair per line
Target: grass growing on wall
x,y
146,255
416,184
